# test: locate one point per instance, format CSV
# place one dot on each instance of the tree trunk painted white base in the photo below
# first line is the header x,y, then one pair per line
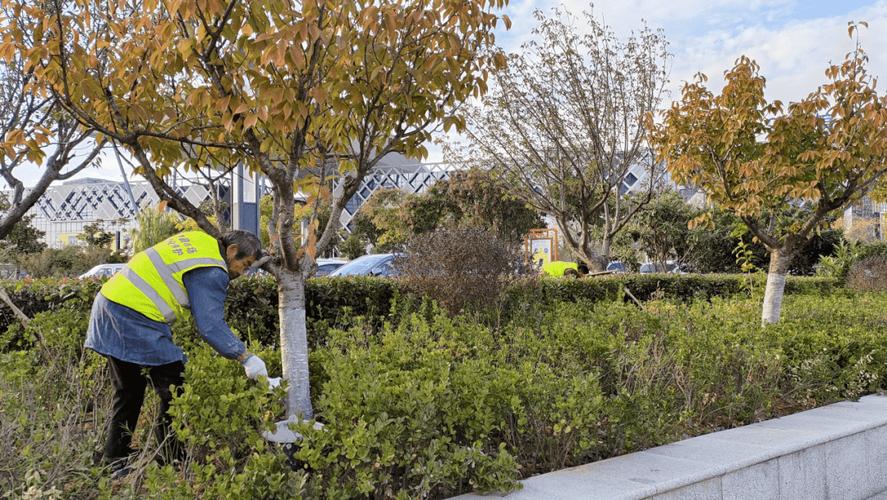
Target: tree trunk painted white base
x,y
284,434
775,290
294,345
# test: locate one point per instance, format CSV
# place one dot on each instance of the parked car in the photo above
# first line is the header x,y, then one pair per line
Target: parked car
x,y
381,264
326,266
679,269
647,268
616,267
102,271
671,267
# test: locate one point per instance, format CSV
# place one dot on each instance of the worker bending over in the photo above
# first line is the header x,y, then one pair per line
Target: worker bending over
x,y
130,325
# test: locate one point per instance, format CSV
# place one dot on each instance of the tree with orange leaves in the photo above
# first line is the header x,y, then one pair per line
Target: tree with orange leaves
x,y
781,169
309,93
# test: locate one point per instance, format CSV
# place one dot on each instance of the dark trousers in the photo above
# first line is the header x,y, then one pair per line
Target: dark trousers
x,y
129,381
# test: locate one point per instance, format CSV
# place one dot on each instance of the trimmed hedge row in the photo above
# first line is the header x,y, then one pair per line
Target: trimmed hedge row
x,y
339,302
251,308
679,286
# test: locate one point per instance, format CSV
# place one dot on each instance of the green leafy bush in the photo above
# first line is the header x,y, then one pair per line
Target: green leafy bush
x,y
684,287
218,418
404,415
418,403
67,261
251,307
579,383
846,255
35,296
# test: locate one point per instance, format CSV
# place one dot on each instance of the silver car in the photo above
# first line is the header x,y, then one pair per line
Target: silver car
x,y
381,264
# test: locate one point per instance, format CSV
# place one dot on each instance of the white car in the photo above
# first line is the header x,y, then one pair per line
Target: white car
x,y
102,271
326,266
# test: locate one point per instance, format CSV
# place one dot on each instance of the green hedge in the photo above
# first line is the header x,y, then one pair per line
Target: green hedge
x,y
336,302
679,286
429,405
251,307
432,406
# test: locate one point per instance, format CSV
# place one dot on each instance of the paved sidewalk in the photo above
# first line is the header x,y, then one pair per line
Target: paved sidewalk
x,y
833,452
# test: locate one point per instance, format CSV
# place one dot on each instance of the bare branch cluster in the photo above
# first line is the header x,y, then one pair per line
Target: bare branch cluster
x,y
565,125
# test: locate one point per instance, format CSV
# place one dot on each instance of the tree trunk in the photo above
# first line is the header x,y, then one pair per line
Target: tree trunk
x,y
779,261
294,344
596,262
605,253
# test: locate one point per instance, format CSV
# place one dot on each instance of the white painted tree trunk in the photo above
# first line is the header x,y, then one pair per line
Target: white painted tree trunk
x,y
605,253
775,290
294,344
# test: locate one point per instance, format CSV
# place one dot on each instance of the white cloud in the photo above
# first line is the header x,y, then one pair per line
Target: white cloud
x,y
625,15
709,35
793,56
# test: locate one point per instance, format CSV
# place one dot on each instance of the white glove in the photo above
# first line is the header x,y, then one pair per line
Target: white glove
x,y
273,382
255,367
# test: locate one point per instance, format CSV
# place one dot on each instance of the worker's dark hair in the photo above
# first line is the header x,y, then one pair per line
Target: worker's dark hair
x,y
582,267
247,243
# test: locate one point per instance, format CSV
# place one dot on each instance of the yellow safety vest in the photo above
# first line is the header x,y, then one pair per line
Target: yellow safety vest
x,y
558,268
151,283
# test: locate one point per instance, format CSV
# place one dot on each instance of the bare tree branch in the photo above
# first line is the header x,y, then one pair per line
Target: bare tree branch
x,y
565,124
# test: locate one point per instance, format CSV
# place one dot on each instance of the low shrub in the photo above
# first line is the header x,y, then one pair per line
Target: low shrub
x,y
54,399
682,287
409,414
68,261
218,418
846,255
35,296
432,406
251,307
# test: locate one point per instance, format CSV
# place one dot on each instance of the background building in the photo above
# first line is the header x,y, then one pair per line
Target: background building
x,y
63,211
864,221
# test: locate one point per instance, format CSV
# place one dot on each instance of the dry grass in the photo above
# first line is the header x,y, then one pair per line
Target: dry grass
x,y
868,274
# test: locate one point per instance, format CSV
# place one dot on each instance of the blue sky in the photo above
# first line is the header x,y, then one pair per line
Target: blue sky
x,y
792,40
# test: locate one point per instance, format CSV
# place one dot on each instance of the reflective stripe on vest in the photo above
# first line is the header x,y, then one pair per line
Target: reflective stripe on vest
x,y
152,283
166,275
153,296
185,264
